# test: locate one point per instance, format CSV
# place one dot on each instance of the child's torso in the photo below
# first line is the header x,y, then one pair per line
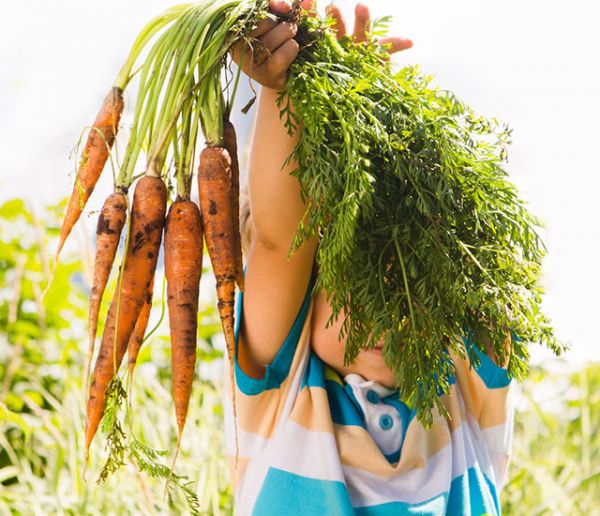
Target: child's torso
x,y
311,443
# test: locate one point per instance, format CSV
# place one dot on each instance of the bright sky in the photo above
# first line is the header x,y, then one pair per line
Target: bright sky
x,y
532,64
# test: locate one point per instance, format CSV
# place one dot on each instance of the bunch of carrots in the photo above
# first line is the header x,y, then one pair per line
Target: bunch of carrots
x,y
463,249
179,91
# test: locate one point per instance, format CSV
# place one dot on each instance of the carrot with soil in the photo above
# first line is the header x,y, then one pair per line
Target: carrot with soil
x,y
214,185
230,143
183,269
97,148
216,206
183,265
145,234
108,233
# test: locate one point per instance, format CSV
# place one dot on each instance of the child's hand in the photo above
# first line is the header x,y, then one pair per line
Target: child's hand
x,y
276,48
273,48
362,20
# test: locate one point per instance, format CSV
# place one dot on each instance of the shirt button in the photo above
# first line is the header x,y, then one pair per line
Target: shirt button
x,y
386,422
372,396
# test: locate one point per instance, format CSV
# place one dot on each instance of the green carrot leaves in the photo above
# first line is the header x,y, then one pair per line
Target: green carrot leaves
x,y
423,238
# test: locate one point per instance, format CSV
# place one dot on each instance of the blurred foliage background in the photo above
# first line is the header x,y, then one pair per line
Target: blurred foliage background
x,y
555,467
42,355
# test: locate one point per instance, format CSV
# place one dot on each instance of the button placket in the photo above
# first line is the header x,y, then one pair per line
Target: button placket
x,y
383,420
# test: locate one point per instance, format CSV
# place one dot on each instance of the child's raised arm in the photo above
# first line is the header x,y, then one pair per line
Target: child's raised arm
x,y
275,286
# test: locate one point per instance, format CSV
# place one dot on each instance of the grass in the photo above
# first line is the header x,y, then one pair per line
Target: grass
x,y
555,467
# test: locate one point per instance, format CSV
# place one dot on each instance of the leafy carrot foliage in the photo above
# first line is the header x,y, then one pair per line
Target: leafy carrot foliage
x,y
424,241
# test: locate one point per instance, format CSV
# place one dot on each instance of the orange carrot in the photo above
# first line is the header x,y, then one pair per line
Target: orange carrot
x,y
214,185
183,269
97,147
230,143
108,233
145,234
139,332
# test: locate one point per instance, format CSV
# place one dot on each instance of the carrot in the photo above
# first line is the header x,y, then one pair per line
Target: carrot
x,y
183,269
214,186
230,143
145,234
108,233
97,147
137,337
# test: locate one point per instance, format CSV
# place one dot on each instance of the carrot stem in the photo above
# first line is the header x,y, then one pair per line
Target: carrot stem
x,y
151,28
155,71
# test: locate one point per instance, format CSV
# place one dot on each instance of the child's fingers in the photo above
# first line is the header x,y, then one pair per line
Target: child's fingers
x,y
280,60
270,34
266,24
263,26
279,35
396,44
362,19
340,25
274,72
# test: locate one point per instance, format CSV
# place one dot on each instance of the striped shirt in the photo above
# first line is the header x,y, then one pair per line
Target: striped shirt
x,y
313,443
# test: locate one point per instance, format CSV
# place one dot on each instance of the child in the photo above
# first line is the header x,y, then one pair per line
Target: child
x,y
316,436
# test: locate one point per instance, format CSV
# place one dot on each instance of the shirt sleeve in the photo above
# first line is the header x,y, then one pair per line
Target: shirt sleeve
x,y
260,404
488,394
484,387
279,369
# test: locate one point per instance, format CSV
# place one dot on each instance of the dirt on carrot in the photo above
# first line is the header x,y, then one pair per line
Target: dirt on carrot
x,y
183,269
214,185
230,143
145,235
108,233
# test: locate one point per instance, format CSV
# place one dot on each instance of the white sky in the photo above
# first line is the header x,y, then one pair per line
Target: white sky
x,y
531,63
